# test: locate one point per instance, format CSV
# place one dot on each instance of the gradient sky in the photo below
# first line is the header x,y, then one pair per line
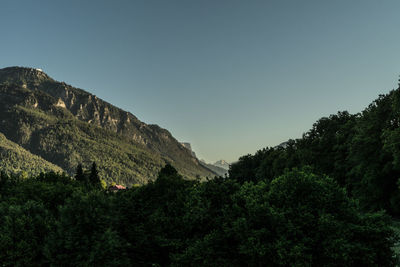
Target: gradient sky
x,y
230,77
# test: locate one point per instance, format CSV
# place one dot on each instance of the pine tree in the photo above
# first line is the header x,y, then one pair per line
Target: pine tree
x,y
79,176
94,178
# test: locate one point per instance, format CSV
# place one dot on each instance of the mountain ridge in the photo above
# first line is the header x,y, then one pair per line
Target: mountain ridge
x,y
30,93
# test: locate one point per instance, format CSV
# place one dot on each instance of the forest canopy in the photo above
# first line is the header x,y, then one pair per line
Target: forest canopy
x,y
298,218
360,152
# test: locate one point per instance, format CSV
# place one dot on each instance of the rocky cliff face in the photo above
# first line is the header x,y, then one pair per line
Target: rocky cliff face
x,y
86,107
32,93
188,146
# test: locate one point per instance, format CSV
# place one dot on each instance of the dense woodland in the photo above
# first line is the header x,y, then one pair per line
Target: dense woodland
x,y
360,152
330,198
299,219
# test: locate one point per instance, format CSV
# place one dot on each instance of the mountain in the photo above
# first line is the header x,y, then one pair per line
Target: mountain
x,y
215,168
222,164
218,170
66,126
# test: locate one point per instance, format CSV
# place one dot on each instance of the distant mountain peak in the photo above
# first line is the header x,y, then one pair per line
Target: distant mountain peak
x,y
222,164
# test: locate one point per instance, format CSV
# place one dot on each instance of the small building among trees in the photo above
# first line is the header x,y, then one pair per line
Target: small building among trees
x,y
115,188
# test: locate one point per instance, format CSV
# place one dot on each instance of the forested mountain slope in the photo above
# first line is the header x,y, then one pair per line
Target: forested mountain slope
x,y
20,161
67,126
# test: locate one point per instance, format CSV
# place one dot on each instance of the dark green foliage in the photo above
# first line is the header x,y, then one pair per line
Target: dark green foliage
x,y
360,152
168,170
94,178
89,178
296,219
23,229
84,233
319,223
3,179
79,176
151,218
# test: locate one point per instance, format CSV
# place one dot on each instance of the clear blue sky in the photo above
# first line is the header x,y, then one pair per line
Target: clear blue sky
x,y
230,77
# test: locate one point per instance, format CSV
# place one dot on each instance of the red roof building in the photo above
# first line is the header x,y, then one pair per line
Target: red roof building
x,y
116,187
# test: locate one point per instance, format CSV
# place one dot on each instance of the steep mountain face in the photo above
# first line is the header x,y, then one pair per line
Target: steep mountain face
x,y
66,125
189,147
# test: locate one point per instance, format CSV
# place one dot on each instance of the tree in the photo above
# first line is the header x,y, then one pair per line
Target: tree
x,y
168,170
23,230
84,234
3,179
318,224
94,178
79,176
